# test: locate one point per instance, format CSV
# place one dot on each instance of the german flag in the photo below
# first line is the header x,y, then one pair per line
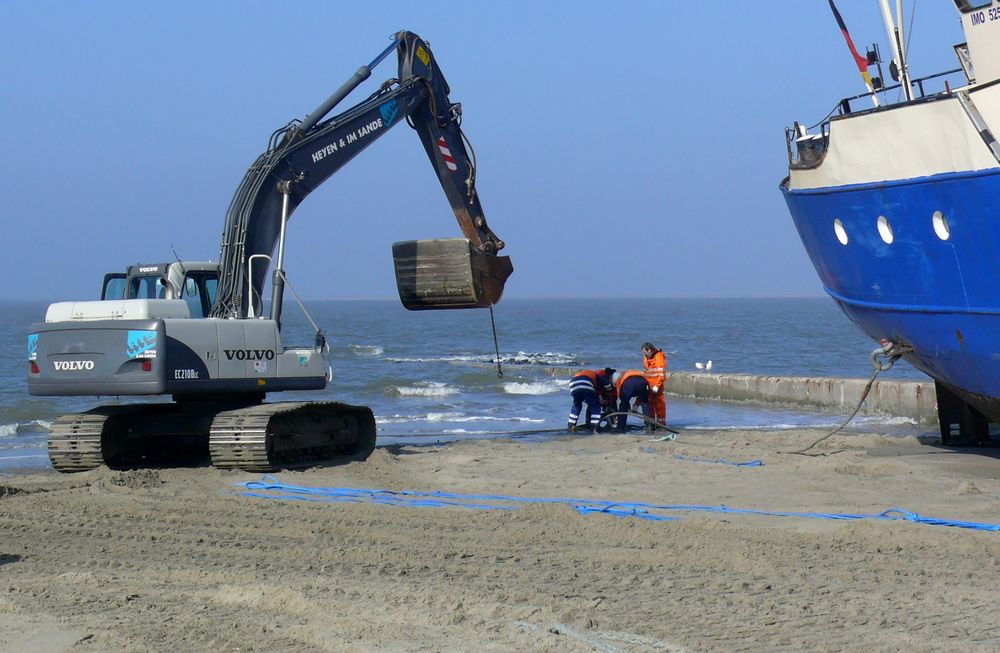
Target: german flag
x,y
862,62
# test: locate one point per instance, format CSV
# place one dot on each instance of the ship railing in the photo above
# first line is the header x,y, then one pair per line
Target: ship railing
x,y
920,94
807,149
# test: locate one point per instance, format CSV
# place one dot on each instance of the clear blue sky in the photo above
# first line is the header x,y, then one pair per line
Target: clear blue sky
x,y
625,149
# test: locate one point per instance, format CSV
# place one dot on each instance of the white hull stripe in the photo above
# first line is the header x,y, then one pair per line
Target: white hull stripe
x,y
446,153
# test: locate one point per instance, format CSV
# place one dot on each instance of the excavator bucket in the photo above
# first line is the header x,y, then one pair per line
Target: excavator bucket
x,y
448,273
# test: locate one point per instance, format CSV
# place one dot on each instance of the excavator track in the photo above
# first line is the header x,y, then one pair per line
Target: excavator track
x,y
128,435
266,437
261,437
75,441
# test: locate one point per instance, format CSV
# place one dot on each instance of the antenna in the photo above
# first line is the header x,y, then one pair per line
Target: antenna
x,y
178,258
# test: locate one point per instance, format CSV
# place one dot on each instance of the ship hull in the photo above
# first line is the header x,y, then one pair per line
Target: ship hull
x,y
935,289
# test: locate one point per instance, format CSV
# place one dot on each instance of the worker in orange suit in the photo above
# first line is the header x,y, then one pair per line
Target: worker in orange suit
x,y
655,363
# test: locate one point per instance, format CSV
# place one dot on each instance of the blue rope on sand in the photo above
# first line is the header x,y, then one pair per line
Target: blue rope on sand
x,y
270,487
722,461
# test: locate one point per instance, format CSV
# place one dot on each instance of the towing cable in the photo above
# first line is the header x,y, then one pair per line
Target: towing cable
x,y
496,344
882,358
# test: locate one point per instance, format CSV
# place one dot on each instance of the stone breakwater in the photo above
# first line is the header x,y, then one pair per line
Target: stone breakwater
x,y
913,399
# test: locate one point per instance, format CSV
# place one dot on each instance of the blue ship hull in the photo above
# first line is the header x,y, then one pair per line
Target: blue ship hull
x,y
942,297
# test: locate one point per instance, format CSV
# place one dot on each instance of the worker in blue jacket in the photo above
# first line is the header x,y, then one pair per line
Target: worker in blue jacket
x,y
594,388
631,385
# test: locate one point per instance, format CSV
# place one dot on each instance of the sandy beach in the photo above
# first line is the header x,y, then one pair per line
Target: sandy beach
x,y
180,560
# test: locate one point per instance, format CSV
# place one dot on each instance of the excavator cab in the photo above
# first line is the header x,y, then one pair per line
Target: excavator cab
x,y
195,282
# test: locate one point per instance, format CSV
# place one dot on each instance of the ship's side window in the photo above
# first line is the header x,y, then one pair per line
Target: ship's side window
x,y
839,231
885,230
941,226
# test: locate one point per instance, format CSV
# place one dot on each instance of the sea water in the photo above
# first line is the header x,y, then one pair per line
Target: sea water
x,y
431,375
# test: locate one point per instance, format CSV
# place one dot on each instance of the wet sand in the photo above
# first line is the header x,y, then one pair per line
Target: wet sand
x,y
178,560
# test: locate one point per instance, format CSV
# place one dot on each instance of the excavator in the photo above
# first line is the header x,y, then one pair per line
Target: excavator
x,y
198,331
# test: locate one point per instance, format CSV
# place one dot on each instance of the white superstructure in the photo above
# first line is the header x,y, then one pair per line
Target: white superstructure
x,y
981,22
950,132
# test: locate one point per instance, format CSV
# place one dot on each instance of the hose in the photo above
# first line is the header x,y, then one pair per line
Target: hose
x,y
648,420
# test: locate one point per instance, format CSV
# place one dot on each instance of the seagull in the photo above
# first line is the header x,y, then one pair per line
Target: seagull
x,y
704,366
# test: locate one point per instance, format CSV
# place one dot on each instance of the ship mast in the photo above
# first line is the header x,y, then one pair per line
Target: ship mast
x,y
895,32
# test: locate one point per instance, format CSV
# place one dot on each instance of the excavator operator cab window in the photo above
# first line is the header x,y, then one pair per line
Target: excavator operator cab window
x,y
151,287
199,292
114,286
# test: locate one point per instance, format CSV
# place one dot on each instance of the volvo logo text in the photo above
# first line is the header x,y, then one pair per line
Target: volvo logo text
x,y
249,354
69,366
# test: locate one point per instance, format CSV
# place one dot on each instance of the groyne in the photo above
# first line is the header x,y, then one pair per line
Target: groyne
x,y
913,399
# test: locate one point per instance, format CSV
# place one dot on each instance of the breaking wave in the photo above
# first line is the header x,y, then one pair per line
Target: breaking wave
x,y
535,387
429,389
365,351
443,417
459,358
546,359
10,430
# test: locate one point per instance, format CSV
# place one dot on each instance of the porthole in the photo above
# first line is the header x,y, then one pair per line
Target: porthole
x,y
941,226
838,229
885,229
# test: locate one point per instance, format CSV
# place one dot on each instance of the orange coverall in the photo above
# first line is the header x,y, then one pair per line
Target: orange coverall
x,y
656,375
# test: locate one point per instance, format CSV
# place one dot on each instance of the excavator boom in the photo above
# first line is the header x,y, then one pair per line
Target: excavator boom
x,y
302,155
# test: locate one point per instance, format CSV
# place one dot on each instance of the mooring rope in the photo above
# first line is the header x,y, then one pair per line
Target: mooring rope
x,y
891,352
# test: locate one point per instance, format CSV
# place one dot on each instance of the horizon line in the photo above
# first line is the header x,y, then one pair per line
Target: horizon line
x,y
529,298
